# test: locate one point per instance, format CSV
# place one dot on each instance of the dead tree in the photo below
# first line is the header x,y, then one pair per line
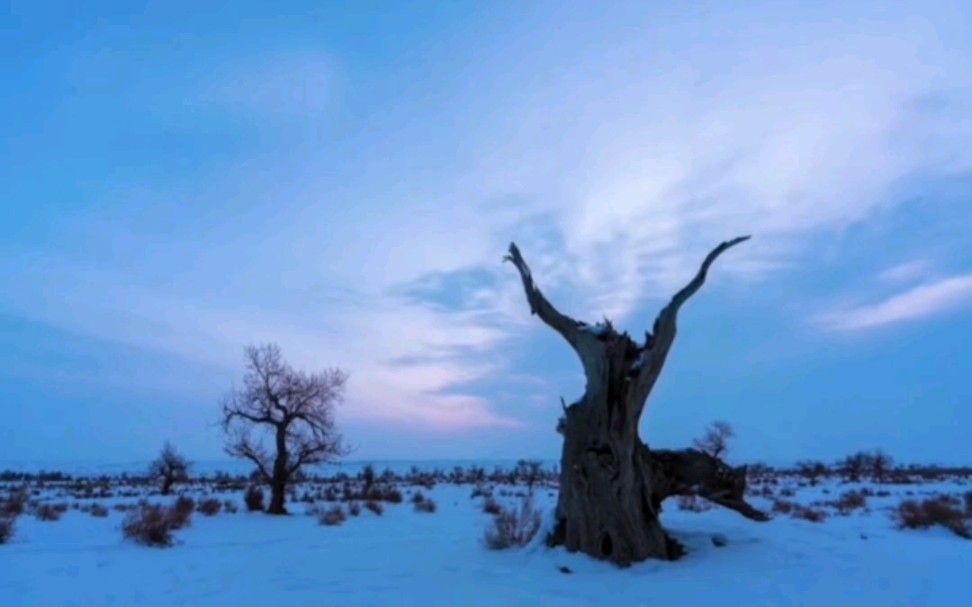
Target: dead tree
x,y
294,408
611,487
169,468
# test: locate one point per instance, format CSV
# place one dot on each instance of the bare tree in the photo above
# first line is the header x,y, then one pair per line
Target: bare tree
x,y
295,409
169,468
611,484
715,441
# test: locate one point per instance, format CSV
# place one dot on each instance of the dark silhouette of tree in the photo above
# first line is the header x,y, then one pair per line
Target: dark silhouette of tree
x,y
611,484
169,468
715,441
294,409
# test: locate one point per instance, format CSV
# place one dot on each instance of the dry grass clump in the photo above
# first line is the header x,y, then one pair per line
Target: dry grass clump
x,y
330,517
181,512
943,511
514,527
210,507
151,525
424,504
850,501
47,513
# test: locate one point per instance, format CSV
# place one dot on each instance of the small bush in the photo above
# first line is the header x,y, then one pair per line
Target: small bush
x,y
783,506
392,495
418,498
230,507
480,491
491,506
14,505
375,507
354,508
47,512
850,501
332,516
809,514
150,525
99,511
254,499
210,507
6,528
181,512
426,505
514,527
912,514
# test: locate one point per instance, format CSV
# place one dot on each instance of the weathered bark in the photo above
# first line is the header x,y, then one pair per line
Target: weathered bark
x,y
278,482
611,488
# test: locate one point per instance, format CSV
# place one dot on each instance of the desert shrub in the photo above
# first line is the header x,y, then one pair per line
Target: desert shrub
x,y
330,517
426,505
809,514
181,512
6,528
850,501
354,508
210,507
230,507
491,506
418,497
375,507
514,527
912,514
392,495
150,525
47,512
480,491
813,471
255,499
14,504
98,510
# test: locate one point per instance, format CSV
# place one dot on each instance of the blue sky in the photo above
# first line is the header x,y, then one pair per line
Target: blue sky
x,y
342,178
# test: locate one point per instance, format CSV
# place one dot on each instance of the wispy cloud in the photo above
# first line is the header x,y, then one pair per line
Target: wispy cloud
x,y
914,304
905,272
615,171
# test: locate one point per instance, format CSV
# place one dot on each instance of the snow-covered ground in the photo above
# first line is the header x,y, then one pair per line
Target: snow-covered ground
x,y
404,557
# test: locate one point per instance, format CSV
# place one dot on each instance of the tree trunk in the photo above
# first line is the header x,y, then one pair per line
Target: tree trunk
x,y
611,487
607,505
278,483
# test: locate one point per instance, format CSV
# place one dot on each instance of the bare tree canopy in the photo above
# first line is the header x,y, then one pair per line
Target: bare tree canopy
x,y
294,408
612,485
169,468
716,439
